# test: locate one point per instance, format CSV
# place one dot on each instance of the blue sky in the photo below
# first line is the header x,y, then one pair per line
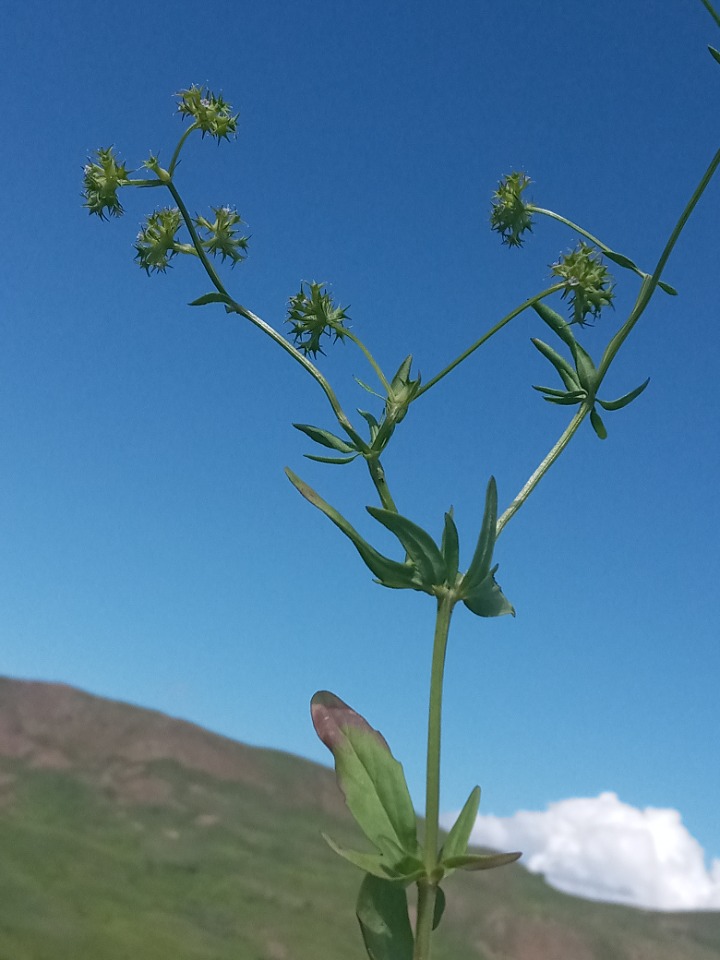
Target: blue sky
x,y
151,548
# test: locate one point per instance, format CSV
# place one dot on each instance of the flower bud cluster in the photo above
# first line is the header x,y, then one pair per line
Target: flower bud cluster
x,y
312,314
221,237
102,178
511,216
588,283
211,114
156,243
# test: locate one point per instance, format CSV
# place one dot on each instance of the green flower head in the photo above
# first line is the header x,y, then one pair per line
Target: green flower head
x,y
312,313
102,178
156,244
588,283
511,216
221,237
211,114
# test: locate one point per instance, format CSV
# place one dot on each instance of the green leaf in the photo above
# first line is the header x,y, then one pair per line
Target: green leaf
x,y
457,840
391,573
373,863
371,422
439,908
399,869
488,600
562,396
624,401
369,389
597,424
382,912
403,373
621,260
211,298
371,779
482,558
555,322
419,545
567,374
715,54
667,288
450,548
311,456
587,374
325,438
477,861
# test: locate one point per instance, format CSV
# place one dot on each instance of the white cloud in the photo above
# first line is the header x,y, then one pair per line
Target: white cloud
x,y
603,849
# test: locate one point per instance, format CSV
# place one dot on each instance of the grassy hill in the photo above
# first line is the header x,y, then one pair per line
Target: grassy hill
x,y
127,835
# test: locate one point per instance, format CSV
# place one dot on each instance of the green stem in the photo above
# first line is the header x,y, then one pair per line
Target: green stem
x,y
427,888
370,359
377,474
178,148
265,327
648,287
543,468
427,893
711,11
486,336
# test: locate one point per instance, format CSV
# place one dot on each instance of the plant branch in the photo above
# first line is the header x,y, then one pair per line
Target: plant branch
x,y
543,468
486,336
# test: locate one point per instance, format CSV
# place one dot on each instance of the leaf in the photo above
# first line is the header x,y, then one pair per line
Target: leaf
x,y
477,861
391,573
450,548
488,600
419,545
587,374
597,424
403,373
439,908
384,922
567,374
457,840
568,399
311,456
373,863
667,288
325,438
369,389
715,54
211,298
482,558
555,322
371,779
624,401
621,260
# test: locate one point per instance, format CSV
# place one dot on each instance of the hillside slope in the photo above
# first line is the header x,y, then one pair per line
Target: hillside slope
x,y
127,834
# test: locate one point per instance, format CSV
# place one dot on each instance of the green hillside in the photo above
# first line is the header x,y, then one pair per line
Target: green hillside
x,y
126,835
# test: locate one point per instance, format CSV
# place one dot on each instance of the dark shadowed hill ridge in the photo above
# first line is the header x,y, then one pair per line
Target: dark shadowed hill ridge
x,y
127,834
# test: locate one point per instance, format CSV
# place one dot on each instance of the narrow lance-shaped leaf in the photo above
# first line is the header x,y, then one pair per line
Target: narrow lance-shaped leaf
x,y
390,573
325,438
597,424
715,54
371,779
419,545
622,261
457,840
473,861
450,548
211,298
311,456
624,401
389,865
587,374
482,558
567,374
403,372
382,913
555,322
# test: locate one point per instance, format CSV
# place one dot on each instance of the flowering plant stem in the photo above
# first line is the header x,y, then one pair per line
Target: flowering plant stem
x,y
371,779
